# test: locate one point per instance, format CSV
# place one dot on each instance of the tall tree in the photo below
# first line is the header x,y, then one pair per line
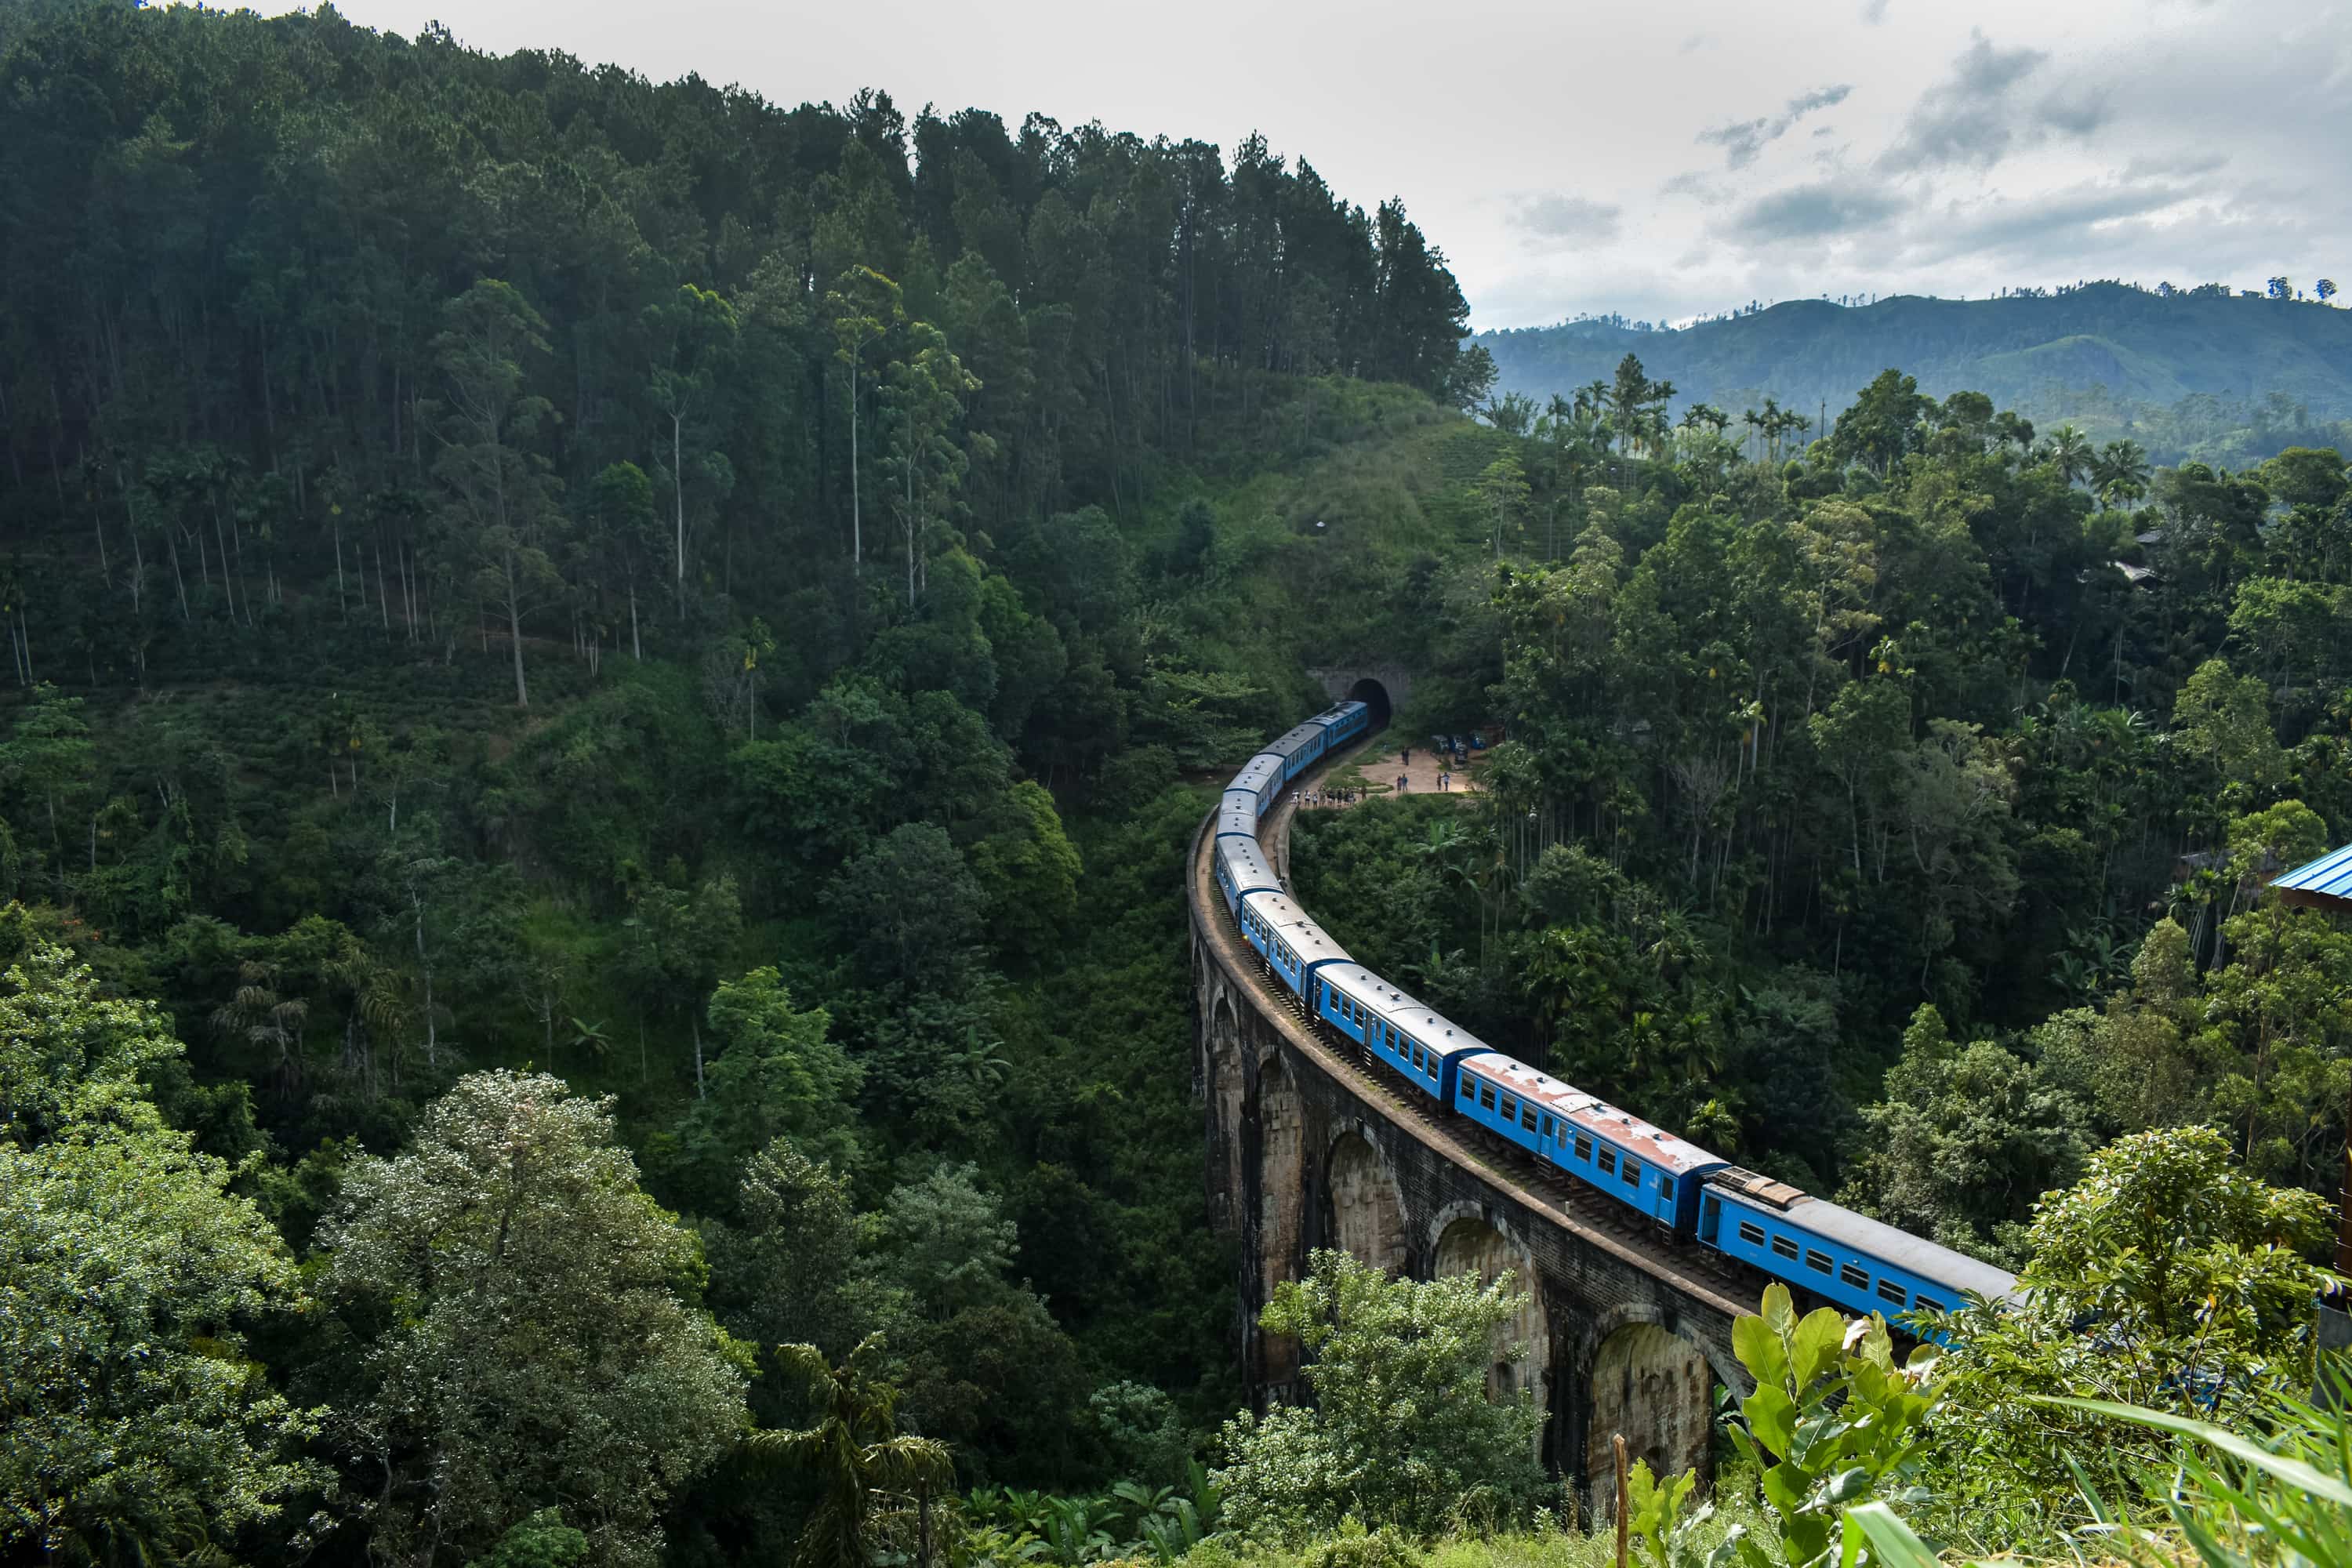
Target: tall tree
x,y
694,334
522,1343
501,510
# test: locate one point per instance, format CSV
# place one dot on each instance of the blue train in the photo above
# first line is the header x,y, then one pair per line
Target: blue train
x,y
1698,1198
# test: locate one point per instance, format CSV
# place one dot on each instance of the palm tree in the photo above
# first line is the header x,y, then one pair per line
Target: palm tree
x,y
2120,472
2070,450
857,1453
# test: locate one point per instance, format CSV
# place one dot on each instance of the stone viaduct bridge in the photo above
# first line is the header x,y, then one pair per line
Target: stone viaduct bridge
x,y
1311,1145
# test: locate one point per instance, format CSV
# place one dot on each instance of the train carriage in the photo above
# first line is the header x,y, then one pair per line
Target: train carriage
x,y
1243,869
1299,747
1416,1039
1257,784
1236,821
1342,722
1506,1095
1293,946
1643,1167
1859,1263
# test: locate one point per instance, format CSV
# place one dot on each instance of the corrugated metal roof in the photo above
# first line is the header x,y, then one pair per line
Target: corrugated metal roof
x,y
2325,883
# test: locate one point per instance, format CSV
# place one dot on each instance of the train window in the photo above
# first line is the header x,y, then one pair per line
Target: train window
x,y
1854,1275
1583,1147
1608,1161
1925,1305
1785,1245
1633,1172
1487,1095
1510,1109
1527,1117
1547,1126
1666,1188
1469,1091
1751,1232
1892,1290
1819,1262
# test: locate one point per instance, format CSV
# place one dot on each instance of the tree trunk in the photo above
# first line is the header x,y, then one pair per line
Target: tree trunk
x,y
677,490
514,634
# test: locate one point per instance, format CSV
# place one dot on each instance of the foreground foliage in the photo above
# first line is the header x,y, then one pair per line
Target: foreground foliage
x,y
1401,1431
132,1424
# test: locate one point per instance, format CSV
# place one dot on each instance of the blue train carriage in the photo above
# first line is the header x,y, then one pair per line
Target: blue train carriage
x,y
1299,747
1859,1264
1342,722
1257,783
1293,946
1505,1095
1236,821
1643,1167
1243,869
1416,1040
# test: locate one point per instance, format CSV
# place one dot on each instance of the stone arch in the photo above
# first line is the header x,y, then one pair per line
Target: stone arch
x,y
1367,1213
1373,695
1472,1243
1643,1380
1281,1199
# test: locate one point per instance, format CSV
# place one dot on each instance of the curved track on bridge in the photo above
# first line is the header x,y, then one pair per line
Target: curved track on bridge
x,y
1514,1174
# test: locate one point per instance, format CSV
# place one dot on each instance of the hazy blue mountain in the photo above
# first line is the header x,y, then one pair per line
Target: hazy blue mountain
x,y
2217,375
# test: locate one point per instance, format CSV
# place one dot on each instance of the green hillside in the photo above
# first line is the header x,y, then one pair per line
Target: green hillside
x,y
2202,372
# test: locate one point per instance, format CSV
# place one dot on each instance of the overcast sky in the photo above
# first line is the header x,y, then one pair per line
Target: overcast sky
x,y
1664,159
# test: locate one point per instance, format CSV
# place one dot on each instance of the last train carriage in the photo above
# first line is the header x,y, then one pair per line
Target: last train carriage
x,y
1695,1198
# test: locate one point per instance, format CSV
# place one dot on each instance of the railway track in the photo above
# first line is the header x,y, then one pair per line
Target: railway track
x,y
1507,1167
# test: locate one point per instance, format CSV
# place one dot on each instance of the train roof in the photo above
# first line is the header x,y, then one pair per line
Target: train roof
x,y
1236,819
1909,1253
1257,773
1289,743
1423,1023
1562,1099
1656,1144
1247,861
1314,945
1337,711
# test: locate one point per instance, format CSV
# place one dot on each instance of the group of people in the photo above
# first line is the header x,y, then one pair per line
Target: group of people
x,y
1334,796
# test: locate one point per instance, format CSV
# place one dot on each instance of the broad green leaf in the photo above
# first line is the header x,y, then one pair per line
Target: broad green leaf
x,y
1759,1350
1784,1488
1818,1339
1773,1417
2294,1472
1892,1539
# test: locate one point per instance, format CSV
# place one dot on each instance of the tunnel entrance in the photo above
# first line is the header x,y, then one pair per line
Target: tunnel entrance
x,y
1374,696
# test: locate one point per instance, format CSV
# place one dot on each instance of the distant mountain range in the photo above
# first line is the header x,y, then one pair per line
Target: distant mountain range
x,y
2216,375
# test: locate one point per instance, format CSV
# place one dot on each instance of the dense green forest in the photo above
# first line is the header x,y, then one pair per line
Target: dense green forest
x,y
2206,372
510,565
1939,751
611,683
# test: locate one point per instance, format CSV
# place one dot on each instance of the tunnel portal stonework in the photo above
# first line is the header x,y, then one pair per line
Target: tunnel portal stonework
x,y
1307,1149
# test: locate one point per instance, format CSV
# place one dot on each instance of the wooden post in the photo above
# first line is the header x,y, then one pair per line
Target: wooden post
x,y
1617,1443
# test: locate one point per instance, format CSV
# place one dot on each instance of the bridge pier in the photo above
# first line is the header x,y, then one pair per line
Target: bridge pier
x,y
1625,1331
